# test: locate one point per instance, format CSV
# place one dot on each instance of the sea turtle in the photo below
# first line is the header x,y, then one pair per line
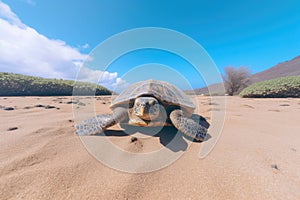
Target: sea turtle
x,y
149,103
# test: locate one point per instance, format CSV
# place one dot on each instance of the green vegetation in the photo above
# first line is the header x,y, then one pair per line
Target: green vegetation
x,y
288,86
21,85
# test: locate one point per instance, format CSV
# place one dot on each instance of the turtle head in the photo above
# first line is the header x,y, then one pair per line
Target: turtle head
x,y
146,108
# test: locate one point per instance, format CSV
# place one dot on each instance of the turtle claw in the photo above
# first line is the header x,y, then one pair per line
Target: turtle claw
x,y
188,126
201,135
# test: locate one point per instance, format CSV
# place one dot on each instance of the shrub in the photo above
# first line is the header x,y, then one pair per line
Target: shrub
x,y
276,88
21,85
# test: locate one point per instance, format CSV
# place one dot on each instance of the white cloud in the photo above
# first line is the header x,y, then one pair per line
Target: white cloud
x,y
7,14
25,51
107,79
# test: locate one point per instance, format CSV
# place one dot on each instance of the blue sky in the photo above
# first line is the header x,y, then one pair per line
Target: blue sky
x,y
255,34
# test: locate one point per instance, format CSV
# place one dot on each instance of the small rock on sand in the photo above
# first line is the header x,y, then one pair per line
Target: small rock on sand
x,y
39,106
44,106
49,107
81,104
274,166
8,108
76,102
133,139
12,128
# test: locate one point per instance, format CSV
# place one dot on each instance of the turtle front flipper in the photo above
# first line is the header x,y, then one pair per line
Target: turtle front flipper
x,y
100,123
188,126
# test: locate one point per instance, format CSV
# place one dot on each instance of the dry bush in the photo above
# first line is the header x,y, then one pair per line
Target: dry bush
x,y
236,79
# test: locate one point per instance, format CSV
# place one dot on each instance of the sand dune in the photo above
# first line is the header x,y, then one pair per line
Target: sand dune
x,y
256,157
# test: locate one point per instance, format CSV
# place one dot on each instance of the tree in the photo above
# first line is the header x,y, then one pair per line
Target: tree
x,y
236,79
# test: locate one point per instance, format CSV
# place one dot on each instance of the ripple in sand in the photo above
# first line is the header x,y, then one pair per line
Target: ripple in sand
x,y
274,110
248,106
213,109
293,149
284,105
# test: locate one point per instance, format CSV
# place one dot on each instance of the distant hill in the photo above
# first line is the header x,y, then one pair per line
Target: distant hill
x,y
213,89
287,68
20,85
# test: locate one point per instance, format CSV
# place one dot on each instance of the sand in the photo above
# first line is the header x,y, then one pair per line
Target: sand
x,y
256,157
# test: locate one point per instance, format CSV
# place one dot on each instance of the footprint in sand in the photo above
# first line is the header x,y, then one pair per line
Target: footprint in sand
x,y
212,109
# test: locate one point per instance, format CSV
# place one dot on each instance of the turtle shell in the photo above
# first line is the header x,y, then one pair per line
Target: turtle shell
x,y
165,92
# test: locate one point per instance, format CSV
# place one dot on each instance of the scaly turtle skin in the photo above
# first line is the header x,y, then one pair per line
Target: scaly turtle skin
x,y
149,103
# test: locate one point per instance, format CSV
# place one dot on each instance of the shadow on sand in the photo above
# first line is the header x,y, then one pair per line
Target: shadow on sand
x,y
169,136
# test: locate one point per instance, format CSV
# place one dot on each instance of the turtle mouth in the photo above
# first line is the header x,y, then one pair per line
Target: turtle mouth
x,y
141,123
138,122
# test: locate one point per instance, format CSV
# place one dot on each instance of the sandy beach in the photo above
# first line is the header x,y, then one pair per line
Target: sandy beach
x,y
256,157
